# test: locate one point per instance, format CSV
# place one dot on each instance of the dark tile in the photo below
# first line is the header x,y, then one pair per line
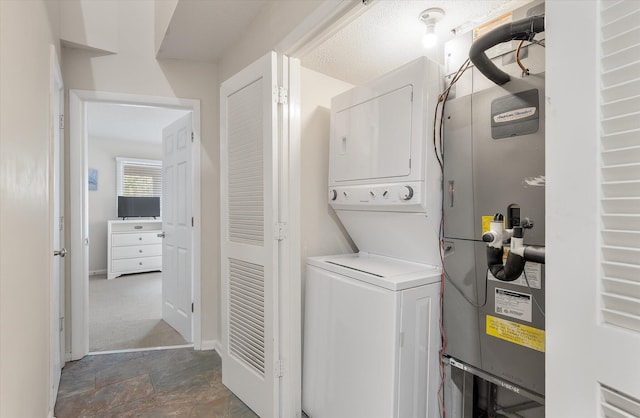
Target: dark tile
x,y
237,408
162,383
75,383
89,403
212,408
99,362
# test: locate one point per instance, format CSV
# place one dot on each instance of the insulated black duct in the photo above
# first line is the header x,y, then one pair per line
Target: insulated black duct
x,y
534,254
508,271
521,30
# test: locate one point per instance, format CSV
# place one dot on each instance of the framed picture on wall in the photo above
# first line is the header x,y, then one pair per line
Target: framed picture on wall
x,y
93,179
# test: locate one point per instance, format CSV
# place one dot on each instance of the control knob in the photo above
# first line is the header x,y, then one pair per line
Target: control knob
x,y
333,195
406,193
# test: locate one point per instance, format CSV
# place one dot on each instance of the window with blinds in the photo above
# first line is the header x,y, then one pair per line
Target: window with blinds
x,y
138,177
620,163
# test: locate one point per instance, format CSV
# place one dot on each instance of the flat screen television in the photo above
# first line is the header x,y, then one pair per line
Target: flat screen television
x,y
138,207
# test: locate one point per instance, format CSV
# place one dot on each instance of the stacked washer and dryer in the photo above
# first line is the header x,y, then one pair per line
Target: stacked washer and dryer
x,y
371,326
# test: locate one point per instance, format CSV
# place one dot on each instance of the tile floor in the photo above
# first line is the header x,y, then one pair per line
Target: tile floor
x,y
150,384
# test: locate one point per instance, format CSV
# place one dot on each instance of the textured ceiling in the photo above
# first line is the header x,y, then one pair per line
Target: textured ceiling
x,y
202,30
129,122
389,34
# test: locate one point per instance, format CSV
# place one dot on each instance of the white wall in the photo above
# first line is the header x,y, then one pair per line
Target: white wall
x,y
275,21
135,70
321,230
27,29
90,23
102,202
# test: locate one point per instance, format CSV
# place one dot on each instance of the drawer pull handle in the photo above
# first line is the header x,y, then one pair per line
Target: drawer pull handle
x,y
140,251
140,239
140,263
137,227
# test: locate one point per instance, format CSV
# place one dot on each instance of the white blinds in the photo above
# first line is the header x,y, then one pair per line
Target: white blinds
x,y
620,163
136,177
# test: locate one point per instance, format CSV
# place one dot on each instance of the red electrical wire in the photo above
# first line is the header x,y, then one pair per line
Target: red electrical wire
x,y
442,99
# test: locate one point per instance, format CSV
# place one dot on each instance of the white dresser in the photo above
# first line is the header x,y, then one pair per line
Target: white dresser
x,y
133,246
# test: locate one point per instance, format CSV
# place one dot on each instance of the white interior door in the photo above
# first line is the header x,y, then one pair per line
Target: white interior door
x,y
57,229
177,226
249,249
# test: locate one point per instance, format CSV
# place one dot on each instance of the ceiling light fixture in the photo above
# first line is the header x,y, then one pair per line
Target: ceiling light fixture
x,y
430,17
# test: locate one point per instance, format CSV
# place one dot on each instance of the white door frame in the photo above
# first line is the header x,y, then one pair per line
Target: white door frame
x,y
78,219
328,18
56,156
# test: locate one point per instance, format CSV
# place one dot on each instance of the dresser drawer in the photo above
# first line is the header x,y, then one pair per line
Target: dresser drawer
x,y
137,264
133,251
140,238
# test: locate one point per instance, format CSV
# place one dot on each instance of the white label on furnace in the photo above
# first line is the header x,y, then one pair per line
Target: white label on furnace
x,y
533,272
516,114
514,304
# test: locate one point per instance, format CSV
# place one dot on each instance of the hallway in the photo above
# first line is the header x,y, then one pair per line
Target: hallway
x,y
177,383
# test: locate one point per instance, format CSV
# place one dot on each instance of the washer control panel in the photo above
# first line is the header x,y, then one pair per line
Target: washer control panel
x,y
407,196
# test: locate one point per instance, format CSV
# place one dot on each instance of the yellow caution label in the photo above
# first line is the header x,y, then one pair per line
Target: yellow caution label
x,y
516,333
486,224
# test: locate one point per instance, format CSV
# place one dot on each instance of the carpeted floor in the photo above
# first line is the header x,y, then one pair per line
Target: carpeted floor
x,y
126,313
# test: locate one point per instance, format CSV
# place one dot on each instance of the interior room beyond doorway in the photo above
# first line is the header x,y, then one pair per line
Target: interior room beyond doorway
x,y
125,153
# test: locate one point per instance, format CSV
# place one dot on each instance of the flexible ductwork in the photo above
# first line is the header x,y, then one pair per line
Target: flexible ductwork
x,y
510,270
523,29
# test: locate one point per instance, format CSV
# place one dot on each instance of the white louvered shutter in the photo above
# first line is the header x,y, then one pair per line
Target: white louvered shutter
x,y
249,250
593,209
620,207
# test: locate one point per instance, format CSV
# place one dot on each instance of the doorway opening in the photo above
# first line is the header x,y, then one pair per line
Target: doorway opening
x,y
125,157
122,287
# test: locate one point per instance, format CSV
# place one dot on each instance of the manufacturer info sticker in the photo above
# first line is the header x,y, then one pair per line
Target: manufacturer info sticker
x,y
533,272
516,333
514,304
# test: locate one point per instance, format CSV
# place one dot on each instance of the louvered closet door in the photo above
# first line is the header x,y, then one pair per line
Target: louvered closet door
x,y
593,209
618,337
248,124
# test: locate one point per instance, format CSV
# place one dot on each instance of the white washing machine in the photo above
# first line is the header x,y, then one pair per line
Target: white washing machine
x,y
371,338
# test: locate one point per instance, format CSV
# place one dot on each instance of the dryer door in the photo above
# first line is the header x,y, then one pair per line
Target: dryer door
x,y
372,139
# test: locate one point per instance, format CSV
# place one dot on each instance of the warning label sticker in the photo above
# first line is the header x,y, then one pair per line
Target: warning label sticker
x,y
516,333
486,224
514,304
533,273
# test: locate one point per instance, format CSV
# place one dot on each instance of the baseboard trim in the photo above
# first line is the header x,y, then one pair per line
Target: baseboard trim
x,y
97,272
209,345
67,357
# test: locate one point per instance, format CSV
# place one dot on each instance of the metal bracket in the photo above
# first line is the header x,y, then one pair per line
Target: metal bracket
x,y
283,95
278,368
280,230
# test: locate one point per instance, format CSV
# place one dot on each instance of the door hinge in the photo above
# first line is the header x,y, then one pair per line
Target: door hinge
x,y
60,121
192,221
281,95
191,307
61,324
278,369
191,136
280,231
62,223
